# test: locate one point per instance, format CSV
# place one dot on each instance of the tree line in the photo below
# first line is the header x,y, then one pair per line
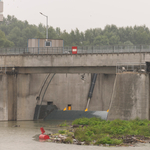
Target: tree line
x,y
15,33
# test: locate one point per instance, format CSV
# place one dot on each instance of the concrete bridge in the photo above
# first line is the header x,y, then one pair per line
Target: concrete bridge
x,y
68,63
125,94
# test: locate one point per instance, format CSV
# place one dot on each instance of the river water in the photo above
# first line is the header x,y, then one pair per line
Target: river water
x,y
22,138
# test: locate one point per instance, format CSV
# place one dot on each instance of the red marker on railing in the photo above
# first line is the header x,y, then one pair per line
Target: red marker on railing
x,y
74,49
43,136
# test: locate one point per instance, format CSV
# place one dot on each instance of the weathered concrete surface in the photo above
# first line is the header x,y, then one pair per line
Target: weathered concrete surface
x,y
72,70
72,90
28,88
18,93
72,60
3,98
69,89
8,97
12,97
130,98
102,92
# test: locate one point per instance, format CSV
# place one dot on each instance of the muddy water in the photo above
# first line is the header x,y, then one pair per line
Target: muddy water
x,y
22,138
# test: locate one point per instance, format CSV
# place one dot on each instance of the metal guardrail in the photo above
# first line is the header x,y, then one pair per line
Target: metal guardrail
x,y
130,67
81,50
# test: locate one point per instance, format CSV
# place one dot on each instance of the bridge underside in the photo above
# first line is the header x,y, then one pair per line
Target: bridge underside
x,y
71,70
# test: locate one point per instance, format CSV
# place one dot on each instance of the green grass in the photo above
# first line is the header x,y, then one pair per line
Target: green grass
x,y
64,124
62,131
103,132
108,140
69,140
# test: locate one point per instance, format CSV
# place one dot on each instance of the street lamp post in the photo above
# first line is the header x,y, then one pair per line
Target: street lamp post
x,y
46,24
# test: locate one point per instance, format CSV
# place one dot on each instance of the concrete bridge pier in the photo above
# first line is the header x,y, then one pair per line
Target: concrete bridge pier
x,y
3,97
130,98
17,99
125,94
8,97
12,96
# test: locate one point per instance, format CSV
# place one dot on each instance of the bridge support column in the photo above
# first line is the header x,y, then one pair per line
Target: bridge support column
x,y
3,98
8,97
12,97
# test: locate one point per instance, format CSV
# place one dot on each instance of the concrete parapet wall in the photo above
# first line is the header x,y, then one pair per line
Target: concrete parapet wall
x,y
72,60
130,98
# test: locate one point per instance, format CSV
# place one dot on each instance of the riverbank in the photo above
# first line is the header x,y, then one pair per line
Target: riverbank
x,y
99,132
21,138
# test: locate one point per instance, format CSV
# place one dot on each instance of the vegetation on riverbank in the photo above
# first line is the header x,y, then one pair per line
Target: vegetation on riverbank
x,y
64,124
97,131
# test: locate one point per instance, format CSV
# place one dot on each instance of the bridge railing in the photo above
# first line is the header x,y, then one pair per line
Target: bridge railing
x,y
45,50
32,50
114,49
81,50
10,51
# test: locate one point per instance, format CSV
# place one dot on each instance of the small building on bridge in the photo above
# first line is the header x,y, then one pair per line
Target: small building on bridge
x,y
46,46
45,43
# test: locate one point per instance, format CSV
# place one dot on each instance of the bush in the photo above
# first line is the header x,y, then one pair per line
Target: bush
x,y
64,124
81,136
81,121
106,132
88,133
69,140
70,134
62,131
87,121
108,140
145,131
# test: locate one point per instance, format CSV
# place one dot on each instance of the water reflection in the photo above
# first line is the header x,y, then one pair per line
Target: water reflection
x,y
28,129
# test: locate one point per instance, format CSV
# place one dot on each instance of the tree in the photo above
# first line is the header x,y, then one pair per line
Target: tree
x,y
58,32
128,43
39,35
4,42
18,32
77,37
15,37
114,40
89,37
101,40
66,37
52,33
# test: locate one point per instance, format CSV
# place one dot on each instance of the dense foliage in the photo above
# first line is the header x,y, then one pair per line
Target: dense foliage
x,y
18,32
103,132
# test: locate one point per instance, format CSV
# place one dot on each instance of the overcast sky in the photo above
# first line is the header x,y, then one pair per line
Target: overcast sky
x,y
81,14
